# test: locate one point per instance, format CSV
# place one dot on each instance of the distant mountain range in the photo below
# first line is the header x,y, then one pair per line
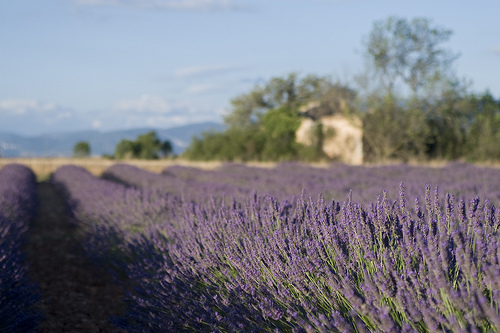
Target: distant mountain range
x,y
61,144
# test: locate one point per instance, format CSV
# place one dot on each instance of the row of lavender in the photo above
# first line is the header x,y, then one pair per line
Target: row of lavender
x,y
287,179
294,263
17,208
464,181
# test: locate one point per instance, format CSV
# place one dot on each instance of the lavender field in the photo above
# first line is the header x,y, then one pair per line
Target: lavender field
x,y
17,207
296,248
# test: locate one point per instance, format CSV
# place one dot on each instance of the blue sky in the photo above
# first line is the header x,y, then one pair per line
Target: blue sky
x,y
69,65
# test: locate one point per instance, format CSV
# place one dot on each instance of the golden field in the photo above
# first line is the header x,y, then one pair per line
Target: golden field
x,y
43,167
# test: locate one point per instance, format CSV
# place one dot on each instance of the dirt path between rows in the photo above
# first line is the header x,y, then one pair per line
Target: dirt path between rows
x,y
75,296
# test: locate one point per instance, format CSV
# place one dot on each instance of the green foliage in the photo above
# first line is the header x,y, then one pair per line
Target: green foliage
x,y
317,138
126,149
272,140
433,121
81,149
230,145
449,121
146,146
248,109
412,107
279,127
484,136
166,149
263,122
391,131
408,52
456,126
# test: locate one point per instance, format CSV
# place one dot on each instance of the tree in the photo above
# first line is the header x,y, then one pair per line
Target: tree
x,y
81,149
393,132
272,140
449,118
234,144
417,107
165,149
484,135
126,149
290,92
408,52
263,122
279,127
146,146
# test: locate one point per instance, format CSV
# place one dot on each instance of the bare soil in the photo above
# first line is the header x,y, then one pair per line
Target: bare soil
x,y
76,296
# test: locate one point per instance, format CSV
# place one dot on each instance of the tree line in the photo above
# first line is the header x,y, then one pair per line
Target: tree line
x,y
146,146
411,104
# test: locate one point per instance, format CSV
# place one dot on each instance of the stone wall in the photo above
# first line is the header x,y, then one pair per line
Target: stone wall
x,y
343,137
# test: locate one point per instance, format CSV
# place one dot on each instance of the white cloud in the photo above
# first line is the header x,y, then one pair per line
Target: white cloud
x,y
145,103
201,88
63,115
32,117
56,118
21,106
496,49
203,5
174,120
134,114
96,124
203,70
170,121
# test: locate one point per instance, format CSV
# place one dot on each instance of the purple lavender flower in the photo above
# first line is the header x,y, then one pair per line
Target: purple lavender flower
x,y
239,249
18,203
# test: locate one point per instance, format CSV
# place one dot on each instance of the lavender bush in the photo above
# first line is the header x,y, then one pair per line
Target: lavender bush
x,y
17,208
110,213
298,264
289,179
185,188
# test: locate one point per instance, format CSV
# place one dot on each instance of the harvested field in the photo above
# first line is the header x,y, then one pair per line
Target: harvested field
x,y
43,167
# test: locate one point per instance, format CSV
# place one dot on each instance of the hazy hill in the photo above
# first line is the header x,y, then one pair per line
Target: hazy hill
x,y
61,144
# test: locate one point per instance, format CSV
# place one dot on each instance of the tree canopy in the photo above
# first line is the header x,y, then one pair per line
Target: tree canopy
x,y
406,52
411,104
81,149
290,91
146,146
419,111
262,123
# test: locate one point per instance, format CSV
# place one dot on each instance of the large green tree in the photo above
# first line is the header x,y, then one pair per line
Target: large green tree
x,y
146,146
415,107
262,123
411,102
279,127
483,140
81,149
410,53
272,140
290,91
391,131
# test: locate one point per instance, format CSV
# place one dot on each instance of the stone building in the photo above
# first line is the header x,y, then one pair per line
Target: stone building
x,y
341,136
